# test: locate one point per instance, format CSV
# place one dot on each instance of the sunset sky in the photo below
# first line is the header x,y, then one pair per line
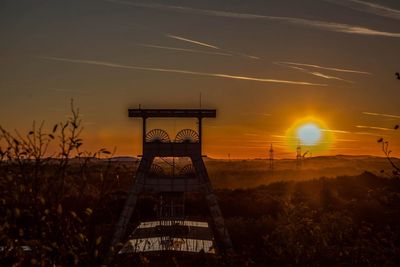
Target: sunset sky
x,y
268,67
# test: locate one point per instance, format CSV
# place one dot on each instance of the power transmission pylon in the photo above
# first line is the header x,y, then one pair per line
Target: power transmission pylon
x,y
271,157
298,156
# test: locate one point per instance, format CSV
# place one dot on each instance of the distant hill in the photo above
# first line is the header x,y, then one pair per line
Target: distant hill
x,y
122,159
250,173
246,173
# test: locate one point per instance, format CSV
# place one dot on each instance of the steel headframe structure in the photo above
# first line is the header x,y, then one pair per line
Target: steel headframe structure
x,y
157,144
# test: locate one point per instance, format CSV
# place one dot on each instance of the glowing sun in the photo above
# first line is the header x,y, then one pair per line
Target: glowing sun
x,y
310,133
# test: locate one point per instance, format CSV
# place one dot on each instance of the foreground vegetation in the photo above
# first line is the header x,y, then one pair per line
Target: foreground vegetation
x,y
347,221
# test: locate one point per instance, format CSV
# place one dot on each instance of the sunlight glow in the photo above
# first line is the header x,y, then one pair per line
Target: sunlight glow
x,y
309,134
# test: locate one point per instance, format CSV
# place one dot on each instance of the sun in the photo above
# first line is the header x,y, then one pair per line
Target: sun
x,y
310,133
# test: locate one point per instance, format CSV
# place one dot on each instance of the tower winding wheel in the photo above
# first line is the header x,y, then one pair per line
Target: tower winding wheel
x,y
187,136
157,136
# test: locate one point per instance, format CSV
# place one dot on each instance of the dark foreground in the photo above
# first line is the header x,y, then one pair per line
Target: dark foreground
x,y
66,217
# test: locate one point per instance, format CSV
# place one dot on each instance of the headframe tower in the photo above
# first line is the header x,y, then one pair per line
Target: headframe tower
x,y
187,143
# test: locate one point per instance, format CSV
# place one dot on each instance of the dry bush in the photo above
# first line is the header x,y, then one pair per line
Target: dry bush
x,y
48,206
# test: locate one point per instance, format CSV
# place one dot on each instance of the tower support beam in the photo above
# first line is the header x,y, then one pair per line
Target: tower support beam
x,y
131,201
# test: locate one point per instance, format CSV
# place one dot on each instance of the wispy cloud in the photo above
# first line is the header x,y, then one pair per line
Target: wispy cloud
x,y
368,7
348,132
178,71
242,55
324,68
210,46
336,131
369,133
382,114
374,128
315,73
256,114
346,140
326,76
184,50
322,25
191,41
278,136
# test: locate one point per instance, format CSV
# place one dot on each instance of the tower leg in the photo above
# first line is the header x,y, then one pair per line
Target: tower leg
x,y
212,203
130,202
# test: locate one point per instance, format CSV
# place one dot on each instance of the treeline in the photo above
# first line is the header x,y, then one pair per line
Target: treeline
x,y
347,221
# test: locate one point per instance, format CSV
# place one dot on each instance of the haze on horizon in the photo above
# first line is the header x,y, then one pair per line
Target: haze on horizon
x,y
263,66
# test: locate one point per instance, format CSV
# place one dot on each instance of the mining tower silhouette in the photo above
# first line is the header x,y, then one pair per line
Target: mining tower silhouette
x,y
172,230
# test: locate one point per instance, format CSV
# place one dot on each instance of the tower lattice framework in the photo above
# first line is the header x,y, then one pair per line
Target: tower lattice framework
x,y
187,143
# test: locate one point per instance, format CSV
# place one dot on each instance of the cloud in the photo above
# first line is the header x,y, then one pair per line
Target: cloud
x,y
336,131
318,74
278,136
243,55
191,41
349,132
209,46
368,133
256,114
381,114
373,128
219,75
184,50
368,7
322,25
346,140
326,76
324,68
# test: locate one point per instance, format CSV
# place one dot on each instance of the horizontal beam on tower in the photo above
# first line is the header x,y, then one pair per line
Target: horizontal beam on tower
x,y
171,149
172,113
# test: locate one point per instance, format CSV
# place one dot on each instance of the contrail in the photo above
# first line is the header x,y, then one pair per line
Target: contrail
x,y
373,128
191,41
368,7
381,114
184,50
318,74
371,134
326,76
220,75
349,132
210,46
324,68
346,140
322,25
336,131
243,55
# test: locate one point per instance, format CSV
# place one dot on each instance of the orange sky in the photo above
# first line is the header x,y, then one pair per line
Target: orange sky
x,y
262,64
